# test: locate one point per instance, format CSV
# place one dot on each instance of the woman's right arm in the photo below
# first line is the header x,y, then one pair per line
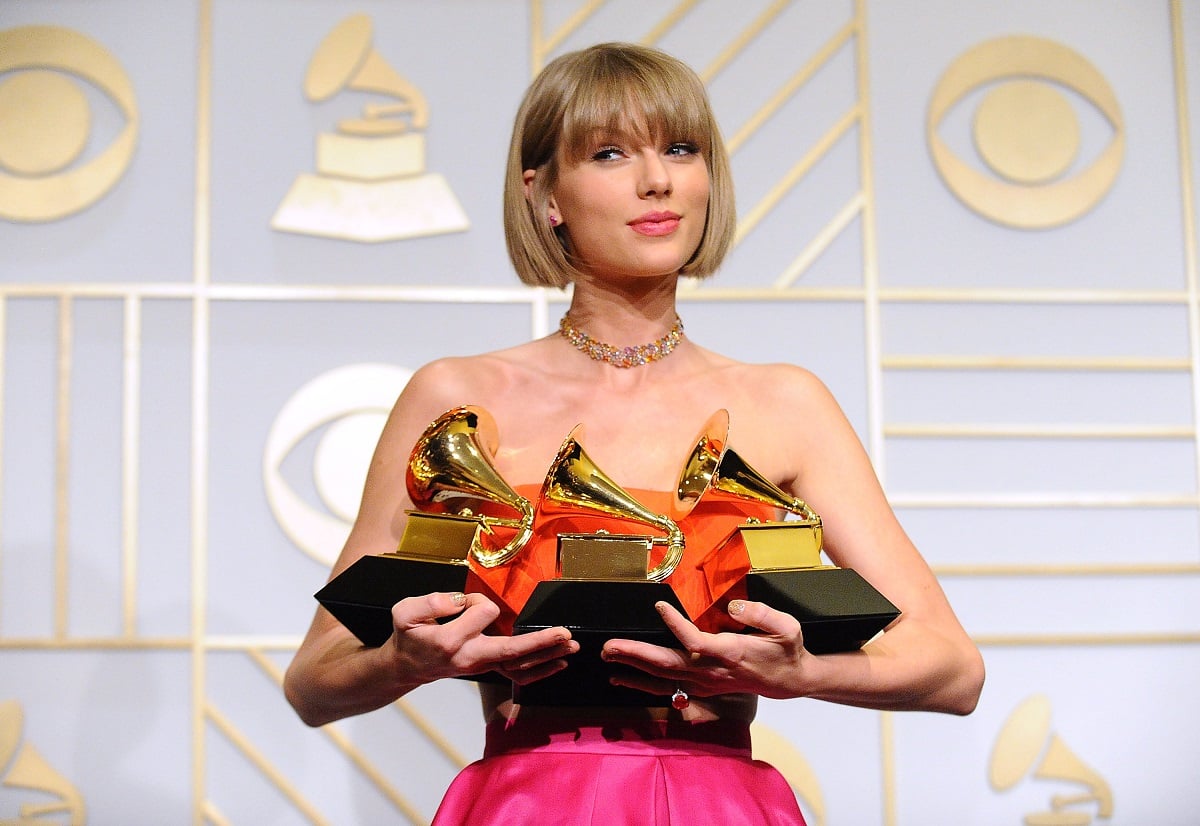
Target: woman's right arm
x,y
333,675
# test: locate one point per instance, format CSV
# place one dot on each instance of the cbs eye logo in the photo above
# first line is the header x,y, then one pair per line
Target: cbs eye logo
x,y
1026,132
344,410
45,121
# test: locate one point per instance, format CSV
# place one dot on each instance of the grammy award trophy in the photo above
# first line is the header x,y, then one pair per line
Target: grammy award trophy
x,y
838,610
605,586
450,468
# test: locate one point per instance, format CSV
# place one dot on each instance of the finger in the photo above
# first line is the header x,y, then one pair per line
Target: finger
x,y
415,611
531,647
653,659
525,676
562,648
684,629
646,683
763,617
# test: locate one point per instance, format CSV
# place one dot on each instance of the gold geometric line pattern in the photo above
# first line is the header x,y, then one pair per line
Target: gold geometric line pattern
x,y
130,460
1188,206
198,499
759,211
258,642
836,226
1031,296
213,815
1069,640
347,747
739,43
242,743
887,745
1050,500
872,335
1138,569
984,431
527,295
99,643
435,737
544,46
1113,363
823,56
3,382
62,468
666,23
360,760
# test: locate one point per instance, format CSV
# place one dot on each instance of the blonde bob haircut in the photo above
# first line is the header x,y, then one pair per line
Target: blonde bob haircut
x,y
610,88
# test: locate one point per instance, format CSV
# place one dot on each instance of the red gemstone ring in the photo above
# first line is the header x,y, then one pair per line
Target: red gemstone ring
x,y
679,700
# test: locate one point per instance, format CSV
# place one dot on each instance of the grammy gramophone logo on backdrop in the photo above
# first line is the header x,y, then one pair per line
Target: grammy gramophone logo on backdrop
x,y
47,793
1027,749
370,184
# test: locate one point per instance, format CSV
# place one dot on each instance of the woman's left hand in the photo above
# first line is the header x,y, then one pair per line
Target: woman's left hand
x,y
770,664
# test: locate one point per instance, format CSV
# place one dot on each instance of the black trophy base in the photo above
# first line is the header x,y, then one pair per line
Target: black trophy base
x,y
595,611
362,596
837,608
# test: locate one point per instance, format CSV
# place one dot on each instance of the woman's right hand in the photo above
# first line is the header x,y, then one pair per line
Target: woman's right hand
x,y
425,649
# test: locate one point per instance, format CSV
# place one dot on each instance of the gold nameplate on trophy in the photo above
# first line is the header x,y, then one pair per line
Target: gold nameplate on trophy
x,y
437,537
608,556
782,546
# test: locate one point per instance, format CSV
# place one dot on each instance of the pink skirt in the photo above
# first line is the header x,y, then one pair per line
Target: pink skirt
x,y
699,774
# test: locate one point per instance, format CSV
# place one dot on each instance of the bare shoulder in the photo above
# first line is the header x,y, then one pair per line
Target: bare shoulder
x,y
781,387
455,380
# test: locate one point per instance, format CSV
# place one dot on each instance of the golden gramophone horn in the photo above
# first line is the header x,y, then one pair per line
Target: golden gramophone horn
x,y
453,461
713,469
575,483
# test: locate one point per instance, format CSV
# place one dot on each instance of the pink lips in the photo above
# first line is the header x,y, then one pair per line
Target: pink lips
x,y
655,223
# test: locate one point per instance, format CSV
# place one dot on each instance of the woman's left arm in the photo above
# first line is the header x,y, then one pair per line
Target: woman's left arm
x,y
924,661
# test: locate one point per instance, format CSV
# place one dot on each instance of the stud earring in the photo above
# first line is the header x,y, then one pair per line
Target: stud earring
x,y
553,221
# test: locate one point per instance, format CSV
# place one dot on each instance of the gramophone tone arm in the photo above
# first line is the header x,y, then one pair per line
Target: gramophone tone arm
x,y
489,522
674,542
490,558
801,509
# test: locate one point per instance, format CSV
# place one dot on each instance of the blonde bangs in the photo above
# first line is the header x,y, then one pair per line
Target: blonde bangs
x,y
629,98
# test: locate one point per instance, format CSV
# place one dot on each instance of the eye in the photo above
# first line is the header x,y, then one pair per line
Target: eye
x,y
47,117
608,153
683,149
1026,132
331,425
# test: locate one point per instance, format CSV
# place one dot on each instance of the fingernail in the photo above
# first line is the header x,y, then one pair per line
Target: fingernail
x,y
736,606
459,598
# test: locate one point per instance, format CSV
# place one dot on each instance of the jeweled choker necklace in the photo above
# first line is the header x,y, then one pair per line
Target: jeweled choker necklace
x,y
634,356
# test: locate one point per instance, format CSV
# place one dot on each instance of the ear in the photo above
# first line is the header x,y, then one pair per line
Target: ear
x,y
527,179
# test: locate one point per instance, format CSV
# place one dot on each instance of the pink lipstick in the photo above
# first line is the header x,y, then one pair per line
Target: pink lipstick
x,y
655,223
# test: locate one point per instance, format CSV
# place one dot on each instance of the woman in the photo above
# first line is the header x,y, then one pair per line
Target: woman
x,y
618,184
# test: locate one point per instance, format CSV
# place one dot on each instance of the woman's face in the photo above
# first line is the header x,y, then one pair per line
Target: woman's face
x,y
632,206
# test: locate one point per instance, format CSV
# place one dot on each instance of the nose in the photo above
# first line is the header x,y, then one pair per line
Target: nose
x,y
655,180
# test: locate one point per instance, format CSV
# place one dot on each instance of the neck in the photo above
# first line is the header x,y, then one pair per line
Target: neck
x,y
622,316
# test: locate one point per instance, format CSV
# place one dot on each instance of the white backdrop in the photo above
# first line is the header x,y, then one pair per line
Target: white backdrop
x,y
185,392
